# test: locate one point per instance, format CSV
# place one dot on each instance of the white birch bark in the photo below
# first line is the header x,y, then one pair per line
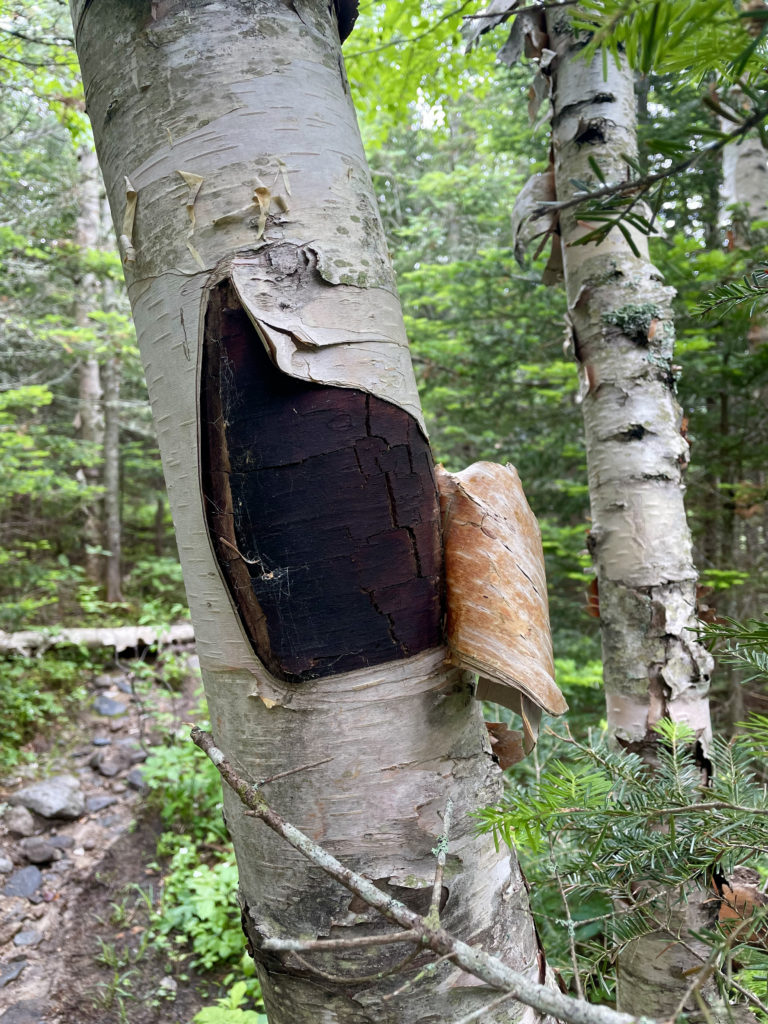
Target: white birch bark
x,y
623,338
744,188
232,123
112,523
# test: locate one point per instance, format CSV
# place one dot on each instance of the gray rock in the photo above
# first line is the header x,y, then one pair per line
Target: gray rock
x,y
10,972
62,842
38,849
101,741
27,938
19,821
124,686
6,864
103,682
118,723
8,930
135,780
59,797
26,1011
98,803
24,882
104,705
111,761
133,748
168,986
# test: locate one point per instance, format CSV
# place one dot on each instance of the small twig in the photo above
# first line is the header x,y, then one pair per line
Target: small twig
x,y
708,967
433,915
320,945
403,40
750,996
532,8
569,921
477,1014
477,962
427,969
293,771
234,547
357,979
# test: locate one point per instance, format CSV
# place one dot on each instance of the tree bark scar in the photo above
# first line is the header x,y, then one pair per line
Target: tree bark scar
x,y
322,510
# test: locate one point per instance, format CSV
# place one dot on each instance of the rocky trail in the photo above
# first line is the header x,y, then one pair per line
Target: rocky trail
x,y
78,871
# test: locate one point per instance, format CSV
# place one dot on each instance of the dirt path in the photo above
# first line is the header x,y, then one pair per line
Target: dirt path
x,y
77,888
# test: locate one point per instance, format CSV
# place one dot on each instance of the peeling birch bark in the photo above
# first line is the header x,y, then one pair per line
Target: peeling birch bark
x,y
239,114
623,337
497,621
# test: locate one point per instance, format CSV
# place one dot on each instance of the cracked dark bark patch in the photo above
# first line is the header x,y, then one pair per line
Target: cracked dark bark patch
x,y
322,509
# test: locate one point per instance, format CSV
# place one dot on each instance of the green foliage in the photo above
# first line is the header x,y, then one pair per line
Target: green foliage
x,y
199,907
186,790
725,295
744,644
35,693
693,37
594,821
198,911
228,1010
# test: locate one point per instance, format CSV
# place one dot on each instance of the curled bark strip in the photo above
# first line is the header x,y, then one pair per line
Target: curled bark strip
x,y
317,329
321,508
497,614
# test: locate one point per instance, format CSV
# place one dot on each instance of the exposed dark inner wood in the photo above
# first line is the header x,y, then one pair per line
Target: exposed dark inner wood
x,y
322,508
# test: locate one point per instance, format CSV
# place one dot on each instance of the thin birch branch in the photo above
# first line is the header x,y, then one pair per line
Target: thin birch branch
x,y
569,921
433,916
475,961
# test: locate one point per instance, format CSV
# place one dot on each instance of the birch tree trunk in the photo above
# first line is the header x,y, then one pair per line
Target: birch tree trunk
x,y
742,490
112,521
90,413
301,487
623,337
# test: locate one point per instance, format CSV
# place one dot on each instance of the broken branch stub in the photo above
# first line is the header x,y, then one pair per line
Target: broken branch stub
x,y
497,621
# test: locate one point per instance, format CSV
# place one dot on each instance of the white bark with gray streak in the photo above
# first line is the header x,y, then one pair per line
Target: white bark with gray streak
x,y
230,126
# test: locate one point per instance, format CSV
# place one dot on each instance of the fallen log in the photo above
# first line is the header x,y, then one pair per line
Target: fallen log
x,y
121,638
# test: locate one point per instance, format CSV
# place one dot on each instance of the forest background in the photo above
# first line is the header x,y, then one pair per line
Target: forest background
x,y
450,143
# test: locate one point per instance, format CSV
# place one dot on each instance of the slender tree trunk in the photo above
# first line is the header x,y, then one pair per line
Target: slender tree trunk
x,y
112,518
301,486
623,338
90,412
744,201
